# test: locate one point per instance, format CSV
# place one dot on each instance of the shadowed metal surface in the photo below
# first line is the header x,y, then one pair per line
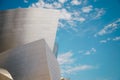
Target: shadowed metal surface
x,y
22,26
33,61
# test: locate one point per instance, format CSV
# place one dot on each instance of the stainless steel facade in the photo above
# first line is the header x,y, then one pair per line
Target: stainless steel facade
x,y
27,39
5,75
33,61
21,26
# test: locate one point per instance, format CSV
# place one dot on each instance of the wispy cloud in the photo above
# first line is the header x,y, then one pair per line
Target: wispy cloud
x,y
57,5
105,40
65,15
81,19
87,9
91,51
68,63
62,1
43,4
61,25
109,28
78,68
70,19
99,12
25,1
116,38
65,58
76,2
88,52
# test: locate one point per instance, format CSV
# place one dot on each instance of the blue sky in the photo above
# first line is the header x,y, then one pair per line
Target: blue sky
x,y
88,36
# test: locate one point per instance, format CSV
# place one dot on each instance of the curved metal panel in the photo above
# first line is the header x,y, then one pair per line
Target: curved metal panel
x,y
21,26
33,61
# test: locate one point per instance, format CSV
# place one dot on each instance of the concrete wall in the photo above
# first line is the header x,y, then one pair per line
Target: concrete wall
x,y
22,26
33,61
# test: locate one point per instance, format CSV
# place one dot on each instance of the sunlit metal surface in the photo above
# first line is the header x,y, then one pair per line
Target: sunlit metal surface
x,y
33,61
5,75
21,26
22,52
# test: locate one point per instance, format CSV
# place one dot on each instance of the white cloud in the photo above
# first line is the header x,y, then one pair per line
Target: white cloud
x,y
91,51
109,28
62,1
68,63
65,58
47,5
33,5
60,24
81,19
39,4
76,2
87,53
103,41
99,13
26,1
42,4
110,39
76,16
87,9
79,68
65,15
57,5
116,38
76,13
102,32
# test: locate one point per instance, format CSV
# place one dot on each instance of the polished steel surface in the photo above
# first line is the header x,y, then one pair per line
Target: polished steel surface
x,y
5,75
22,26
33,61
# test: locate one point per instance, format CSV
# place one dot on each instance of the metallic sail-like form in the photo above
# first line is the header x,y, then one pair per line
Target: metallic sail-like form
x,y
33,61
21,26
27,39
